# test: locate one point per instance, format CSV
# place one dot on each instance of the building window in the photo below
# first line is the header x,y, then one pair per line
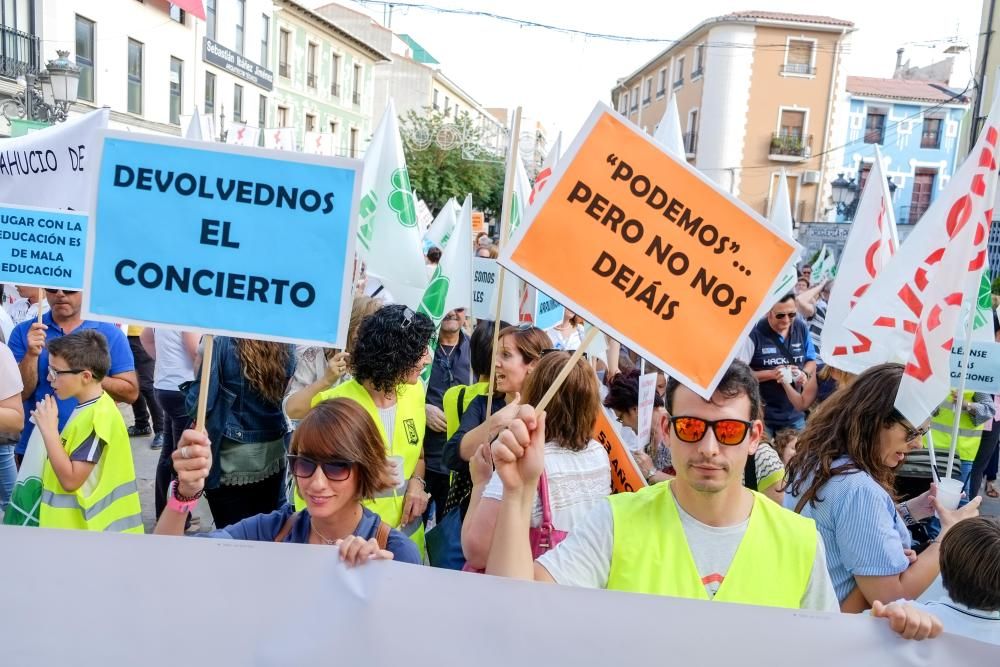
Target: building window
x,y
354,142
176,86
699,61
623,103
634,100
333,127
435,103
923,194
262,114
241,20
282,116
311,65
792,123
134,77
335,75
85,58
790,139
875,127
209,94
691,136
647,92
679,72
284,39
447,105
265,40
310,122
357,84
177,14
238,103
863,172
799,57
661,83
931,136
210,19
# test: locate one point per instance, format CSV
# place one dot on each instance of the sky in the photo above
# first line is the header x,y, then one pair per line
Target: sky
x,y
557,78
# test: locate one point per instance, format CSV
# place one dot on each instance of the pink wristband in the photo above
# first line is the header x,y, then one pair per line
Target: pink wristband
x,y
182,506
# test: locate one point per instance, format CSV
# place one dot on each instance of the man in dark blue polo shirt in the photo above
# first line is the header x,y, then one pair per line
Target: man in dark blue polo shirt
x,y
28,343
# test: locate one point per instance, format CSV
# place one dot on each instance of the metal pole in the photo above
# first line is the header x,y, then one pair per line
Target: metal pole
x,y
29,87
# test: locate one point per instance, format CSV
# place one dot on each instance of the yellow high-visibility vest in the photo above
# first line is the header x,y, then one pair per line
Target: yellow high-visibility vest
x,y
969,434
109,499
771,568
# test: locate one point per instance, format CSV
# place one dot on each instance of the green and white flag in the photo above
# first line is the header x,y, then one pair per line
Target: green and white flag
x,y
26,498
983,320
451,285
444,225
825,266
522,192
389,238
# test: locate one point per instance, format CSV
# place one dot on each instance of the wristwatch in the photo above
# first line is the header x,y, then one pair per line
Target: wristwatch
x,y
179,503
649,475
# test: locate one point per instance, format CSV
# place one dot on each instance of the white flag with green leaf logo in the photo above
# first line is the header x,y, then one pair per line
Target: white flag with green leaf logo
x,y
825,266
451,284
389,237
443,227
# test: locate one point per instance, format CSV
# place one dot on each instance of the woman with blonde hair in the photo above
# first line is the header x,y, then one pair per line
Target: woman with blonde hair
x,y
577,472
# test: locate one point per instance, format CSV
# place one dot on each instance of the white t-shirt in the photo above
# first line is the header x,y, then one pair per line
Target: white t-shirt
x,y
961,620
173,363
584,559
569,343
21,310
578,481
10,376
6,326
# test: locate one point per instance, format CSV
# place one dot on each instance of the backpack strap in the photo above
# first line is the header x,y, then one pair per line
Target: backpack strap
x,y
461,402
287,528
750,473
382,534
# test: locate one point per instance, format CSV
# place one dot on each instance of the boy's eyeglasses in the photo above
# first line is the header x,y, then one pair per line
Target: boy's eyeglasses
x,y
53,373
305,467
729,432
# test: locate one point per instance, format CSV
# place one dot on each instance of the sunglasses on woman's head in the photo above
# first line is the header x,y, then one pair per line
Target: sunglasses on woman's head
x,y
305,467
729,432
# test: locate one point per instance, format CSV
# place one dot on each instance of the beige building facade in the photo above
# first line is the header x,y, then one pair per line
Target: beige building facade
x,y
756,92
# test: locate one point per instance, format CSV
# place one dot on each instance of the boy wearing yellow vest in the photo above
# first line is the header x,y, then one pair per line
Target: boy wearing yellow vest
x,y
88,480
702,535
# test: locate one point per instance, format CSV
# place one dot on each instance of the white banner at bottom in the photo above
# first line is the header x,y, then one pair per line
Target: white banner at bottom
x,y
147,599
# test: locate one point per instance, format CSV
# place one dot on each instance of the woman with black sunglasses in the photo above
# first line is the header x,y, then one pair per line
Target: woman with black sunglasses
x,y
843,475
338,460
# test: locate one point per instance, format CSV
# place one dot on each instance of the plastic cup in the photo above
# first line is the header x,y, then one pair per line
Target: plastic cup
x,y
949,493
786,375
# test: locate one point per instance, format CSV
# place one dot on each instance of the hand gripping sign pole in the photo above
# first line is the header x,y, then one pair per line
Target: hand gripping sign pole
x,y
505,217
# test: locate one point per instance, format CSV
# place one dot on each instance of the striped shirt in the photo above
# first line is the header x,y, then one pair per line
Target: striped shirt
x,y
863,533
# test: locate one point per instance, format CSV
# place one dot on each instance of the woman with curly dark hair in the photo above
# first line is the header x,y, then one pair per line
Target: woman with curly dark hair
x,y
389,355
842,476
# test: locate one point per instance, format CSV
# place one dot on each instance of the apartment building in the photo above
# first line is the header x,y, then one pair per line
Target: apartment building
x,y
757,92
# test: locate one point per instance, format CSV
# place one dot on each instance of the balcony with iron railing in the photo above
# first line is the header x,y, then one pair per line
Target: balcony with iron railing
x,y
690,143
19,53
789,147
798,68
910,215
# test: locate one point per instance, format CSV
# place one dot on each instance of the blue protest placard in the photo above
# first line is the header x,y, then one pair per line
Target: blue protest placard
x,y
222,239
982,370
548,311
42,247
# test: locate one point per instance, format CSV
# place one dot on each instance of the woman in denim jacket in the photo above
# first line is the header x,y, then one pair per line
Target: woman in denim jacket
x,y
246,427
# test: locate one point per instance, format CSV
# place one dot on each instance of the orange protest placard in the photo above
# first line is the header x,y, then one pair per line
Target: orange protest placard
x,y
625,475
650,251
478,222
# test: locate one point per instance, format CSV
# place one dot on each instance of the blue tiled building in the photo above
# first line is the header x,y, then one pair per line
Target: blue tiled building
x,y
917,126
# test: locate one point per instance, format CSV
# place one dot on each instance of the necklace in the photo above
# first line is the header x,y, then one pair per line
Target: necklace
x,y
326,540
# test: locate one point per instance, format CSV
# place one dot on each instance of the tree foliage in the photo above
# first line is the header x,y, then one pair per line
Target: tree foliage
x,y
438,174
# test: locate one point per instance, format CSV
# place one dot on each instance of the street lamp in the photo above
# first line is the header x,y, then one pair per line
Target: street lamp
x,y
47,95
845,195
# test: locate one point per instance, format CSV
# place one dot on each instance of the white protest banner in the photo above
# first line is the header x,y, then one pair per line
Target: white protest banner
x,y
317,143
650,251
52,168
182,235
136,583
280,139
647,394
485,276
241,134
982,371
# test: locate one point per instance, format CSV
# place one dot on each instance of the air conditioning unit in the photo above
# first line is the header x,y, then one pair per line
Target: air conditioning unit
x,y
810,177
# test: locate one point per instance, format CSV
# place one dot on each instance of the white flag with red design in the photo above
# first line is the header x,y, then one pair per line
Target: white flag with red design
x,y
241,135
916,305
317,143
551,160
280,138
871,244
